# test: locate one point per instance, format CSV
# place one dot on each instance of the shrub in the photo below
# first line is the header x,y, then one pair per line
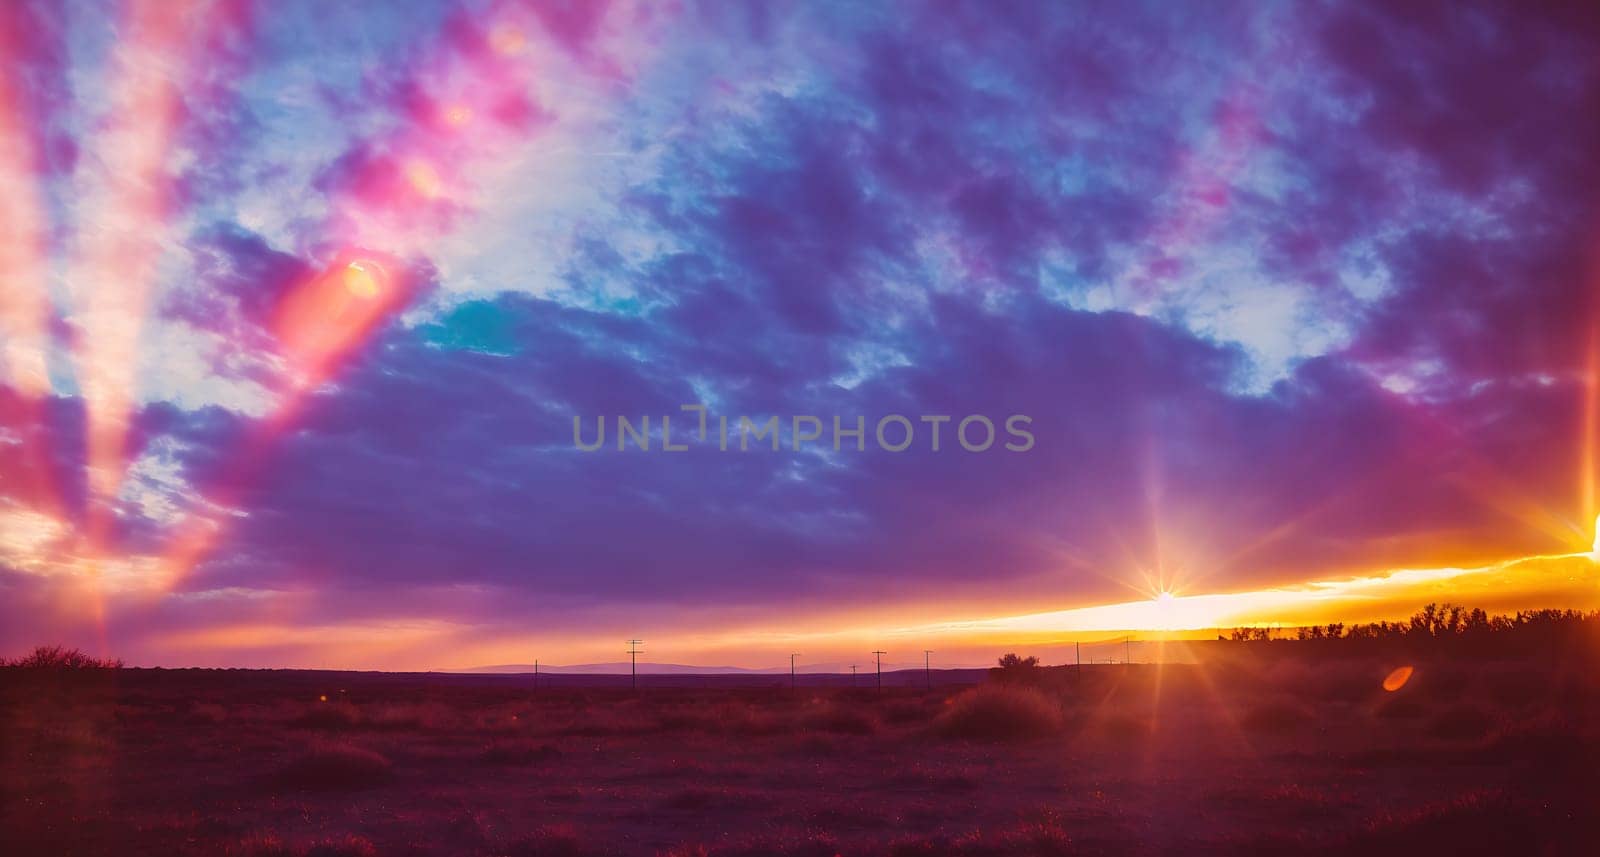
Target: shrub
x,y
1014,668
1476,823
342,846
408,716
332,767
1275,716
269,845
1125,727
840,721
1034,839
61,658
328,715
1000,713
207,714
553,841
261,845
1461,723
518,753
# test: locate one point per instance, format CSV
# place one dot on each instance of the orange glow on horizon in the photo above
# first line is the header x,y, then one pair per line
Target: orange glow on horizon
x,y
420,642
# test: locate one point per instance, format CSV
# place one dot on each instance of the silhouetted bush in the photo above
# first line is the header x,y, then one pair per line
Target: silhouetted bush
x,y
553,841
61,658
1462,722
348,845
269,845
328,715
1017,669
1000,713
331,767
839,720
519,752
1275,715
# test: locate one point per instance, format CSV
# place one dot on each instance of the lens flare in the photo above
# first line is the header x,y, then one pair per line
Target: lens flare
x,y
424,179
361,280
327,317
507,40
1397,679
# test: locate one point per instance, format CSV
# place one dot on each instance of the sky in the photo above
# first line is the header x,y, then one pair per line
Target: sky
x,y
1276,312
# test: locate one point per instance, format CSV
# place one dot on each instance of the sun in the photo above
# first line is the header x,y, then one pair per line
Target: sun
x,y
1166,612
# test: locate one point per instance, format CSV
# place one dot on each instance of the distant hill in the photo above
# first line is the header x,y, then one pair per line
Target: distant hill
x,y
623,668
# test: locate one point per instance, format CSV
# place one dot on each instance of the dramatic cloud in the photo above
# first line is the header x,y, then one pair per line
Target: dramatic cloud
x,y
1285,293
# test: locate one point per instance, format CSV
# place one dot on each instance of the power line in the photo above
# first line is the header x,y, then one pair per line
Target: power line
x,y
633,656
880,668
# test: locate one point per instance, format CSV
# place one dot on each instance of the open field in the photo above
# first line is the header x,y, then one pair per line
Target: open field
x,y
1253,751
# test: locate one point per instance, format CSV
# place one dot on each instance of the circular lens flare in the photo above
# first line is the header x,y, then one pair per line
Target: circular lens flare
x,y
361,279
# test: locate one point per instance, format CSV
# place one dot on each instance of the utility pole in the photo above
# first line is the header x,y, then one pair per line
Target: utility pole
x,y
535,673
792,656
633,656
1127,651
1077,653
927,667
880,668
852,675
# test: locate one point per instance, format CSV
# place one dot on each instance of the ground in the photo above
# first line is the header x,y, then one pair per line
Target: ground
x,y
1256,753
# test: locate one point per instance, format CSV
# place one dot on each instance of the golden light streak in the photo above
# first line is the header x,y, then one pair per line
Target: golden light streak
x,y
318,326
1349,599
129,190
321,323
24,298
25,303
1590,427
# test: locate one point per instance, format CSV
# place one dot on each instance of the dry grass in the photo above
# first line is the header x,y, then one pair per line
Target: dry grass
x,y
335,767
1248,757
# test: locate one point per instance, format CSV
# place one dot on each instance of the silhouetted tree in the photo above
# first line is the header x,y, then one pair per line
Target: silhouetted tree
x,y
1016,668
1453,625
